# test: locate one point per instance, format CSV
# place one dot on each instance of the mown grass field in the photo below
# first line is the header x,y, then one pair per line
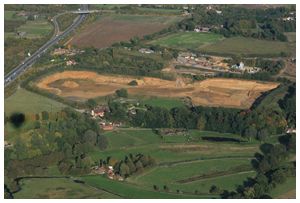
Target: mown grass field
x,y
247,46
59,188
28,102
187,40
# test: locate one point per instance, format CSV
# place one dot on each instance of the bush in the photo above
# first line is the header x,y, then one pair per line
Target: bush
x,y
122,93
133,83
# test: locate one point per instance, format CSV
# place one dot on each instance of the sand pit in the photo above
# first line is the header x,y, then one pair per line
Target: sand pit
x,y
211,92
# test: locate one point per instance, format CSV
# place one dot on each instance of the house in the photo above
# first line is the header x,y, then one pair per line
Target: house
x,y
71,63
21,34
291,130
201,29
146,51
218,12
99,111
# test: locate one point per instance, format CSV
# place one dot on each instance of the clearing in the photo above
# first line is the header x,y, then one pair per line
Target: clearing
x,y
115,28
210,92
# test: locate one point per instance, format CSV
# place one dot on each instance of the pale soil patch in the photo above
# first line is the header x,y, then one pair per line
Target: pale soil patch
x,y
210,92
70,84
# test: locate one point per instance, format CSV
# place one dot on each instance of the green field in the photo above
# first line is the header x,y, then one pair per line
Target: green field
x,y
162,102
291,36
36,28
187,40
247,46
145,18
133,191
28,102
11,15
226,164
59,188
282,189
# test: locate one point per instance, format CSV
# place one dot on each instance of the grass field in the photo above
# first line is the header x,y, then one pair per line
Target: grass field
x,y
291,36
114,28
28,102
178,159
286,190
247,46
132,191
162,102
37,28
59,188
187,40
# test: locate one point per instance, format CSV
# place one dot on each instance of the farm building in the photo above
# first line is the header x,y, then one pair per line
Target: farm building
x,y
99,111
146,51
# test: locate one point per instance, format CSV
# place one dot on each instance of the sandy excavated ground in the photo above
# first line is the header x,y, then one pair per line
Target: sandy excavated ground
x,y
210,92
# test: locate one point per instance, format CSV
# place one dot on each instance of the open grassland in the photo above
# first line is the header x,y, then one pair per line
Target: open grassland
x,y
28,102
182,164
173,148
210,92
191,176
114,28
126,190
59,188
187,40
248,46
36,28
162,102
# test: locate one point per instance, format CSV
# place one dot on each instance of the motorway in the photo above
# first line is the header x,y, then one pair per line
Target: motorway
x,y
12,75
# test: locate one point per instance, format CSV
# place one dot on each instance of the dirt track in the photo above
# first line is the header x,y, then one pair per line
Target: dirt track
x,y
211,92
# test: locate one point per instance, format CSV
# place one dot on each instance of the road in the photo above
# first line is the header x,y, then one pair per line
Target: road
x,y
12,75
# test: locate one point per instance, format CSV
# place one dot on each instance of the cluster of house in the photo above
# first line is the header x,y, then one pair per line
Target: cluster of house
x,y
209,8
71,62
108,170
99,112
67,52
191,59
290,130
291,17
242,68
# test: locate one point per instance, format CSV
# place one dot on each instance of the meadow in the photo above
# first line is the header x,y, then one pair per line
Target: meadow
x,y
36,29
187,40
59,188
198,163
247,47
28,102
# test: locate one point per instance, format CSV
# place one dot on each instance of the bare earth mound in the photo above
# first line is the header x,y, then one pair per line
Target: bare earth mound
x,y
210,92
70,84
107,31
